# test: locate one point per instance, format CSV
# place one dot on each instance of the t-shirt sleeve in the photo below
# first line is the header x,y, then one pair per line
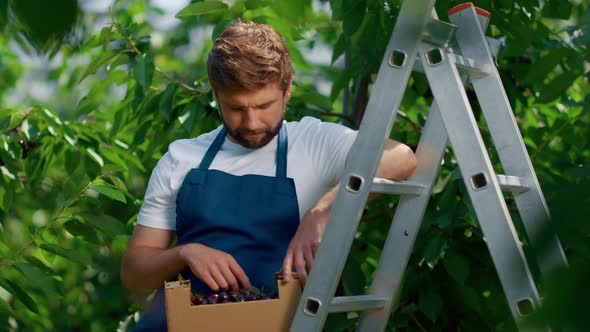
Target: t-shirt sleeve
x,y
159,206
330,143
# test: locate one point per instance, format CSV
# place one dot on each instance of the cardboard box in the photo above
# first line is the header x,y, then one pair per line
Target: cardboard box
x,y
273,315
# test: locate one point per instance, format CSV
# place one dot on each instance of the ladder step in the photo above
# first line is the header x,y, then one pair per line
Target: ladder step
x,y
512,183
357,303
386,186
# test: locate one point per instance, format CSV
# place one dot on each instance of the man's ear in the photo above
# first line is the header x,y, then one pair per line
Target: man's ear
x,y
217,103
288,91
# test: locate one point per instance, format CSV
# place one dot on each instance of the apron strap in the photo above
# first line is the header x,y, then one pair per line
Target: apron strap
x,y
212,151
282,147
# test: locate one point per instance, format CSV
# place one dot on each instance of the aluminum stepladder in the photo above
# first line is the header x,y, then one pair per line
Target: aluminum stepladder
x,y
419,35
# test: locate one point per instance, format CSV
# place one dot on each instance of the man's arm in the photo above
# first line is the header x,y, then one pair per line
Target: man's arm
x,y
149,262
397,162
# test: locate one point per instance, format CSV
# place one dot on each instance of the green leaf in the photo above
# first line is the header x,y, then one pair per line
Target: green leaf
x,y
545,65
5,307
456,265
561,9
39,280
78,228
430,303
434,248
19,294
105,223
143,69
219,27
166,102
557,86
313,98
73,255
202,8
354,11
339,48
255,4
110,192
97,63
95,156
39,264
470,298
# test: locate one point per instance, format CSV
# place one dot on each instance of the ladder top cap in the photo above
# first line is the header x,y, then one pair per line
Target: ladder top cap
x,y
466,5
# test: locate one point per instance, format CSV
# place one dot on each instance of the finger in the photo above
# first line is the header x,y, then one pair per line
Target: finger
x,y
229,277
307,254
210,282
219,279
288,265
300,266
239,273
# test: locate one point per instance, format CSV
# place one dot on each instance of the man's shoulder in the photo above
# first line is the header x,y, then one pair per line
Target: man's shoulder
x,y
309,125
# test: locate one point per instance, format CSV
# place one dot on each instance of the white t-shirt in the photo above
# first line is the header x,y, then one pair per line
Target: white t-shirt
x,y
315,160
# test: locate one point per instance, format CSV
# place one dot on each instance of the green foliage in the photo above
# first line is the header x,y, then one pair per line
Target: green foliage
x,y
74,168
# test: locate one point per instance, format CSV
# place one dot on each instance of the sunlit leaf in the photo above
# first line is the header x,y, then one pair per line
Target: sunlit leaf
x,y
110,192
73,255
99,62
202,8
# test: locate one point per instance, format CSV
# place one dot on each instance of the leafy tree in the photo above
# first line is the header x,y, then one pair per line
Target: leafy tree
x,y
75,166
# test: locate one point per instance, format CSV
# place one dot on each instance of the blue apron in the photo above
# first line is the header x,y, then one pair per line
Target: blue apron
x,y
251,217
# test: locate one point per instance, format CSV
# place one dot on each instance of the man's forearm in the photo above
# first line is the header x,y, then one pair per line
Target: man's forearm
x,y
324,205
147,268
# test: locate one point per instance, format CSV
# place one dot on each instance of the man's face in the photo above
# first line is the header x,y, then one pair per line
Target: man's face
x,y
252,118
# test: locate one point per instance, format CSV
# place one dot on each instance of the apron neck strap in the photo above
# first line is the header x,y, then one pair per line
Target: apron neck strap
x,y
212,151
282,147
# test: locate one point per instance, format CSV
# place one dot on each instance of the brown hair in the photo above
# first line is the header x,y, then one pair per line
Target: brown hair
x,y
247,56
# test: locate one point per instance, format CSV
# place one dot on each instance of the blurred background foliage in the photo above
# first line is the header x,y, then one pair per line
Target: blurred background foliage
x,y
93,92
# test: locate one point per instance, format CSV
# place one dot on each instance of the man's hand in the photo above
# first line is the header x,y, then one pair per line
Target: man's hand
x,y
306,241
304,245
215,268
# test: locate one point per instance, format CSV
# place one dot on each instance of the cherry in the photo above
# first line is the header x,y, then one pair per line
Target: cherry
x,y
198,299
213,298
223,297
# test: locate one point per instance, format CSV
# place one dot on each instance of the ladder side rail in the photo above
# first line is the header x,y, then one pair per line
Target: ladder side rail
x,y
402,234
481,183
364,156
508,141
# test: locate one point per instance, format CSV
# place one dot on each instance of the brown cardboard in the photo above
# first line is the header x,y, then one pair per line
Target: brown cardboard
x,y
273,315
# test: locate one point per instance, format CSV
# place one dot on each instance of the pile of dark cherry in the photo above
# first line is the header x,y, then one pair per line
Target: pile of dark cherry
x,y
242,295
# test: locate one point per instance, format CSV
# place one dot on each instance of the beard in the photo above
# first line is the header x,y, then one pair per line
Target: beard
x,y
263,136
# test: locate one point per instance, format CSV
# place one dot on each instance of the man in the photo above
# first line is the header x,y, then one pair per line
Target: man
x,y
253,196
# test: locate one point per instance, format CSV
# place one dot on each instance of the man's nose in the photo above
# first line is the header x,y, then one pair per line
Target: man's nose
x,y
251,121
